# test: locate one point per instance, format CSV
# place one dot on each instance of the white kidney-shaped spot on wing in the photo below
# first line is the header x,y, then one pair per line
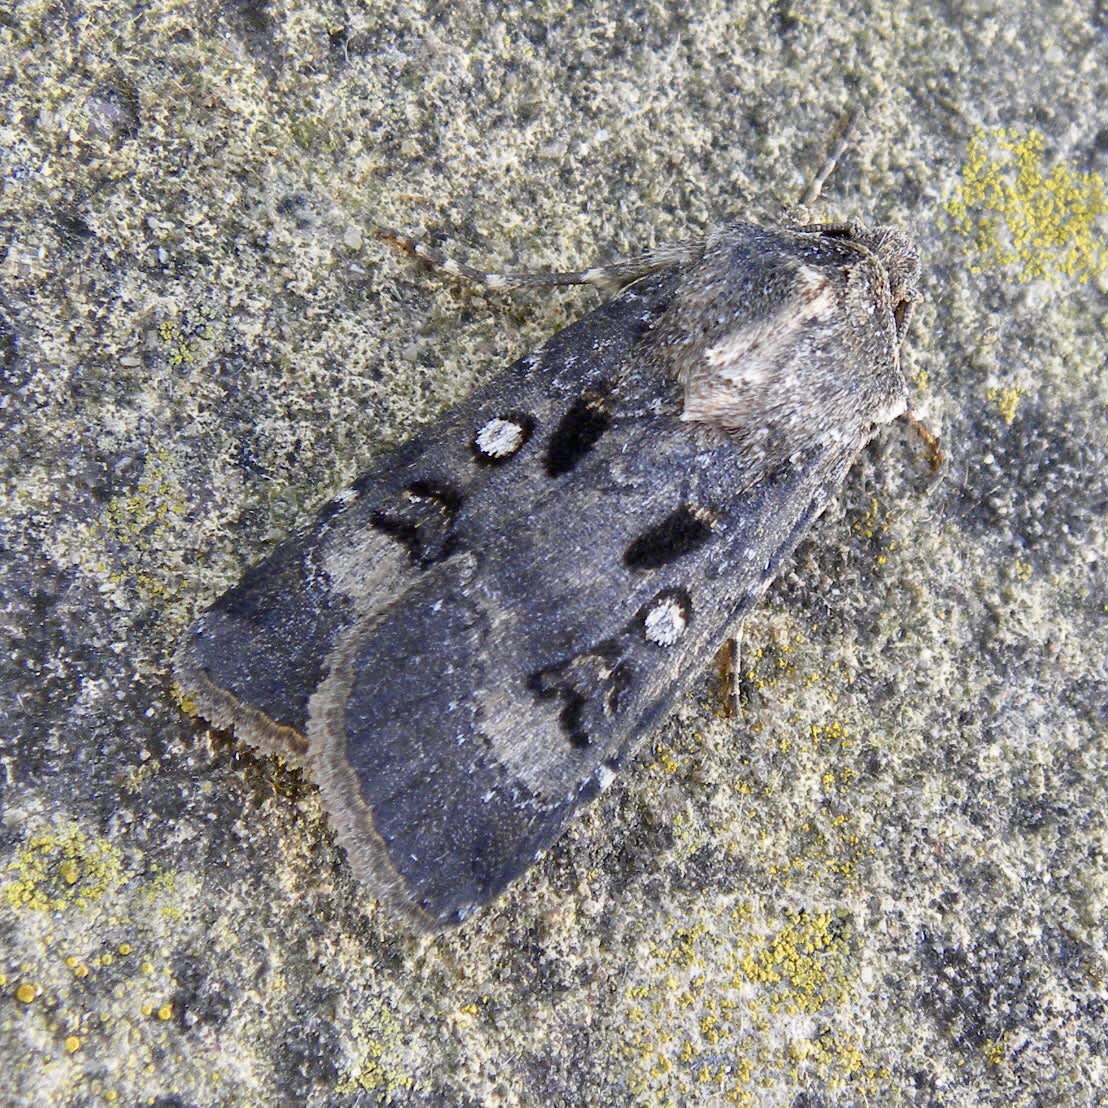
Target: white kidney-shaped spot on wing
x,y
666,618
500,438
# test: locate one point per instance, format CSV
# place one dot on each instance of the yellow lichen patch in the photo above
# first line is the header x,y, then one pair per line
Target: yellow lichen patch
x,y
994,1052
1018,212
830,736
133,542
838,1062
740,977
802,961
871,524
162,893
664,759
139,526
190,339
1006,401
133,778
876,526
764,665
80,969
834,733
185,700
383,1068
825,842
62,869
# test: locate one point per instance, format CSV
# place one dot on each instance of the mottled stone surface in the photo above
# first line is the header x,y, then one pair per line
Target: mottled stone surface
x,y
884,883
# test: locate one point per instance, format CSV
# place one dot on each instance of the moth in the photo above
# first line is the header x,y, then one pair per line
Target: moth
x,y
465,646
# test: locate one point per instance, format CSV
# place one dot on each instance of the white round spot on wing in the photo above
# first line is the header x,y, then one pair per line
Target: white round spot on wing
x,y
499,438
666,621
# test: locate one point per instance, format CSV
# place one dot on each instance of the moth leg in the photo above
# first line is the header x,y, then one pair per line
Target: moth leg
x,y
930,440
728,667
606,277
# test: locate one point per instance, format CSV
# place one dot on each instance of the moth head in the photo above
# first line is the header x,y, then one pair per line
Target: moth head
x,y
898,253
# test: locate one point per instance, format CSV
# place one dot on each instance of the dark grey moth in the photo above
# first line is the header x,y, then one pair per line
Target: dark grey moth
x,y
465,646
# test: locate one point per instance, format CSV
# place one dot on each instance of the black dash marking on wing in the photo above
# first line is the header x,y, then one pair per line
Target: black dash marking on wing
x,y
590,686
578,431
684,530
421,517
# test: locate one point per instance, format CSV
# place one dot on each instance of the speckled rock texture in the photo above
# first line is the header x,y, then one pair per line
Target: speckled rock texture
x,y
885,882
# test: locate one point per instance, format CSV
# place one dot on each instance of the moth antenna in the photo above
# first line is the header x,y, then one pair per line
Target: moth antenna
x,y
840,138
605,277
